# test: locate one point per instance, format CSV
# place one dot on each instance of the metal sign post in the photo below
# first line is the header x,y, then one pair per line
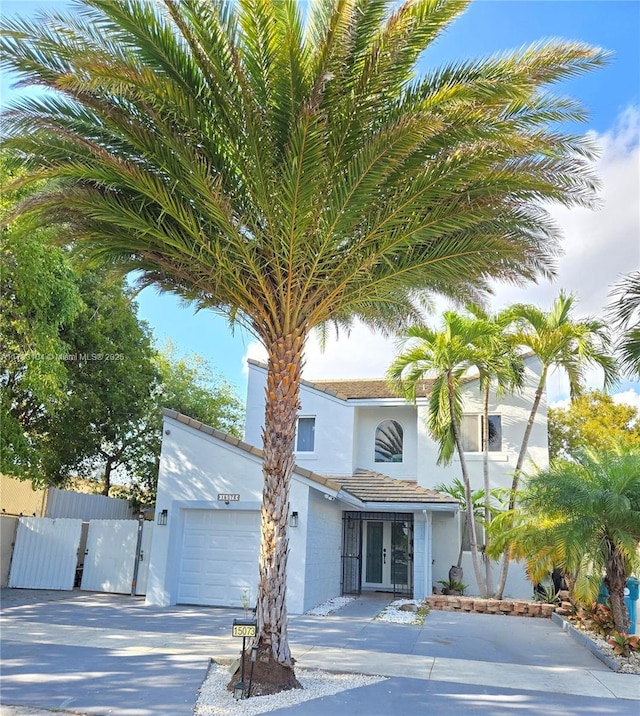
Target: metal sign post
x,y
247,629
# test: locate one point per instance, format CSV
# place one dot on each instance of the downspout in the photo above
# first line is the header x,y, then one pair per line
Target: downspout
x,y
428,553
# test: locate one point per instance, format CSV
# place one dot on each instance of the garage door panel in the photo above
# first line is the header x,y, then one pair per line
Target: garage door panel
x,y
219,559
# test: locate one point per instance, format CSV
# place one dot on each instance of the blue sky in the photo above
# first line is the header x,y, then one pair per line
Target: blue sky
x,y
599,246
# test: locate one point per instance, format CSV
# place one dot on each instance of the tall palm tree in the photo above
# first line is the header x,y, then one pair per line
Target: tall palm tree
x,y
446,355
625,312
290,167
499,364
584,516
559,341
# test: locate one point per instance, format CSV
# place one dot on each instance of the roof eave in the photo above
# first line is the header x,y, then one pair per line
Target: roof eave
x,y
411,506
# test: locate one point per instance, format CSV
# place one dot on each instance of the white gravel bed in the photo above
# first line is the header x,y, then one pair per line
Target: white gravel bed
x,y
215,700
393,613
330,606
626,665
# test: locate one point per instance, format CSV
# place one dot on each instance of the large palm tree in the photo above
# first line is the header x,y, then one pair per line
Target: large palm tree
x,y
625,311
559,341
584,515
500,365
288,166
446,356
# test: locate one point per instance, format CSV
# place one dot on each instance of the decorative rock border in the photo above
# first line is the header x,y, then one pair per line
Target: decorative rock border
x,y
508,607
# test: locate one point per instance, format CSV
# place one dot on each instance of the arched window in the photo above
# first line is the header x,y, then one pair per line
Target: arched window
x,y
389,441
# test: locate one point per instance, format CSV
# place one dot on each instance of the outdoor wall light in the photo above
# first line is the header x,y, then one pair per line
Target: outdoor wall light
x,y
162,517
329,497
293,520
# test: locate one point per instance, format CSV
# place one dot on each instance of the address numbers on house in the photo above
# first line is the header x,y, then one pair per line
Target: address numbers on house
x,y
228,497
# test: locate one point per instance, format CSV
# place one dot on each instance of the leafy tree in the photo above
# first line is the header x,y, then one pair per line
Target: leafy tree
x,y
625,311
101,427
39,297
291,168
592,420
563,342
189,385
582,515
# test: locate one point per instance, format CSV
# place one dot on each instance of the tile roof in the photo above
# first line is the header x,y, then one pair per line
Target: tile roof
x,y
376,487
363,388
348,389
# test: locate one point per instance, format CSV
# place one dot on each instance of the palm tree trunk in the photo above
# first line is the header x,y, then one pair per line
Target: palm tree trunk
x,y
282,405
615,581
471,520
487,486
504,570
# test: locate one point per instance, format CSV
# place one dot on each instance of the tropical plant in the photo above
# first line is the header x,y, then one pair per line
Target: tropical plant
x,y
546,594
623,644
448,355
582,515
559,341
289,167
502,365
456,489
625,312
452,586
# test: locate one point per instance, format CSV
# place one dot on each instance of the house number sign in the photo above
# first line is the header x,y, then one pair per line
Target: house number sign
x,y
223,497
244,628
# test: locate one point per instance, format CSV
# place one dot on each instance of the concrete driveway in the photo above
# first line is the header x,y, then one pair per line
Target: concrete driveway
x,y
101,654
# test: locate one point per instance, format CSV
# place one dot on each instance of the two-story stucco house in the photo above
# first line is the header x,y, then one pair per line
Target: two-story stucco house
x,y
364,514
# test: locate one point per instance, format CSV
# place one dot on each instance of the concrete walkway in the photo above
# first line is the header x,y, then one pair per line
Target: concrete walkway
x,y
109,654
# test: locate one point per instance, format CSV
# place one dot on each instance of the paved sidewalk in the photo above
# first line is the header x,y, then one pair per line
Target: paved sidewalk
x,y
104,654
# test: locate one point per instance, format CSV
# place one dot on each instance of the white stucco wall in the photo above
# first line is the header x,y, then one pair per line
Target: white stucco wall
x,y
194,469
514,410
334,426
422,554
367,421
324,553
445,531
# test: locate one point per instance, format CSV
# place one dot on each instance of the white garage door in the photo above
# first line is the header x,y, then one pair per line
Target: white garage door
x,y
219,559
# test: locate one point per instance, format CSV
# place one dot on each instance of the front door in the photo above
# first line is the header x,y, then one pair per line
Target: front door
x,y
385,555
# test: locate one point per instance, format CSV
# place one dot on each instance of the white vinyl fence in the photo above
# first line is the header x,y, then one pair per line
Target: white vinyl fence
x,y
46,555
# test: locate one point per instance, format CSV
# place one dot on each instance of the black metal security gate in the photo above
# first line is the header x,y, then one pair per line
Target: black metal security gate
x,y
401,548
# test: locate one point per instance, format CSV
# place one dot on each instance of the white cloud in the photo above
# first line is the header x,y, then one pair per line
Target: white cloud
x,y
628,397
599,246
255,351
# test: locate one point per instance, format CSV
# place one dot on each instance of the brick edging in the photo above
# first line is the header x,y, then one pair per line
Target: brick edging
x,y
477,605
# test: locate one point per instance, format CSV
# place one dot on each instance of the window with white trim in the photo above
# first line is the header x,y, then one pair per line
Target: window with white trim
x,y
306,435
389,441
472,432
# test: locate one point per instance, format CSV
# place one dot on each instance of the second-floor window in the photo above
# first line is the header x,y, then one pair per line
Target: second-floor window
x,y
473,438
306,435
389,441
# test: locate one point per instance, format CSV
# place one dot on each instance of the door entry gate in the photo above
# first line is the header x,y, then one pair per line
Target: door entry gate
x,y
377,552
